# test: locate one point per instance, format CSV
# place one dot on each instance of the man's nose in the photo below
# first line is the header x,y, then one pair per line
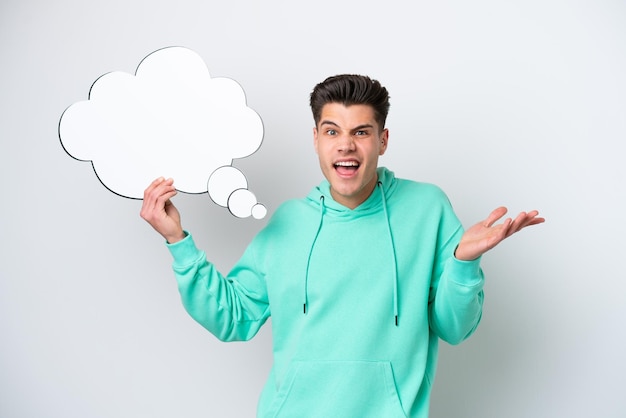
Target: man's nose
x,y
346,143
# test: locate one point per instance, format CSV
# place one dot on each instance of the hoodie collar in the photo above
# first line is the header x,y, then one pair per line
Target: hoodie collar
x,y
386,178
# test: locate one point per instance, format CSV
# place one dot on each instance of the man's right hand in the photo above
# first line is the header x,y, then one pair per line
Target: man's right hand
x,y
160,212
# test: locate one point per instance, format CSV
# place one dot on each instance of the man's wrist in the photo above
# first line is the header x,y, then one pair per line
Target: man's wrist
x,y
173,239
459,255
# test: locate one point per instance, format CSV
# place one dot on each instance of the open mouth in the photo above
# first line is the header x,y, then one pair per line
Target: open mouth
x,y
346,168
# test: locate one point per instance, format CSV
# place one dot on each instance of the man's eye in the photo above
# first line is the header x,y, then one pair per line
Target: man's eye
x,y
360,133
331,132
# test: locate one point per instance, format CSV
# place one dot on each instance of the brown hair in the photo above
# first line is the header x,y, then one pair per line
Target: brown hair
x,y
351,89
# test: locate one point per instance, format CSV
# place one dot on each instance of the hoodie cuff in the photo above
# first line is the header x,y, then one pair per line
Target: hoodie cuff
x,y
466,273
184,251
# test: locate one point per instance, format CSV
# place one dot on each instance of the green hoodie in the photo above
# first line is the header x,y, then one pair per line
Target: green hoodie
x,y
358,299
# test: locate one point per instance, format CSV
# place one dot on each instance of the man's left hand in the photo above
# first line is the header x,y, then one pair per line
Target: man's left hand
x,y
485,235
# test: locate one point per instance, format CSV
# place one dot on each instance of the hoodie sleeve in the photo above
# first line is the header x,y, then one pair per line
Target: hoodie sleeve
x,y
456,293
456,306
233,307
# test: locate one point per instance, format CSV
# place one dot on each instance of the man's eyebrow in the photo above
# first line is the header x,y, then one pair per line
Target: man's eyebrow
x,y
356,128
328,122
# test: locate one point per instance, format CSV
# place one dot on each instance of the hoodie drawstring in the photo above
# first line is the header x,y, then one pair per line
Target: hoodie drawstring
x,y
393,254
308,261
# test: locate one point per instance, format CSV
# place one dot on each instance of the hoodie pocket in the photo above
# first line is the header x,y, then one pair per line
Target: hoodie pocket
x,y
341,389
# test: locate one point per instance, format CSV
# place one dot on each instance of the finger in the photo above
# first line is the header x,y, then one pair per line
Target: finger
x,y
517,224
533,221
507,228
494,216
149,194
157,209
162,194
155,195
527,219
164,199
159,187
152,185
530,219
533,213
157,181
148,201
535,217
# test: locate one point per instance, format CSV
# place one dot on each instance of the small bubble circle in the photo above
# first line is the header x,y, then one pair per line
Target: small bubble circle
x,y
259,211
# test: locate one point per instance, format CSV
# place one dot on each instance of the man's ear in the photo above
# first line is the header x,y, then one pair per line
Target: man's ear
x,y
315,139
384,139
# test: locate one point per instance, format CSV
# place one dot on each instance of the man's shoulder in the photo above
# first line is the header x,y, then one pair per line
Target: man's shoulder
x,y
291,213
293,206
419,200
292,219
406,188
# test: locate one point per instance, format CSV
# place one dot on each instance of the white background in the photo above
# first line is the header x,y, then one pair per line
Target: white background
x,y
519,103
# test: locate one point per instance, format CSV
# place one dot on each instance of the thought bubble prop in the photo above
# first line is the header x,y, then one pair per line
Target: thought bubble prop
x,y
170,119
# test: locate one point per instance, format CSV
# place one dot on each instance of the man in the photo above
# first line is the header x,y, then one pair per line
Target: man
x,y
361,278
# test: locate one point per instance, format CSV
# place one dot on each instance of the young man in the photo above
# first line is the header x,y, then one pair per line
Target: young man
x,y
362,277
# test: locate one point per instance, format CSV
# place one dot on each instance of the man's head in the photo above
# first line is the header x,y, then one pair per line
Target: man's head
x,y
351,89
350,134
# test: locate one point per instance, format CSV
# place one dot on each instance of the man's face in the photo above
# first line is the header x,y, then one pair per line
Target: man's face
x,y
348,142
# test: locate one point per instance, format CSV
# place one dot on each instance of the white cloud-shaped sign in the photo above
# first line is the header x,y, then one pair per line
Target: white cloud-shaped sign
x,y
170,119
